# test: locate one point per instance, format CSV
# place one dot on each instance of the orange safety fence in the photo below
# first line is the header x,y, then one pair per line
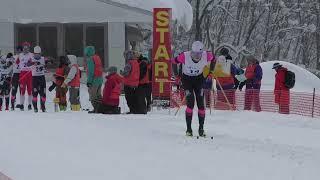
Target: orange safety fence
x,y
299,103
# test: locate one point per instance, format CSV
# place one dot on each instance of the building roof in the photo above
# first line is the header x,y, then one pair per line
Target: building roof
x,y
66,11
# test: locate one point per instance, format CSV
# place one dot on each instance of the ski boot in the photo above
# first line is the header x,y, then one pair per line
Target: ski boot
x,y
43,108
21,107
202,133
35,110
29,107
189,133
12,106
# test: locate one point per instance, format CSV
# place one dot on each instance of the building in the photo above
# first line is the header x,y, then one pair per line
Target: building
x,y
62,26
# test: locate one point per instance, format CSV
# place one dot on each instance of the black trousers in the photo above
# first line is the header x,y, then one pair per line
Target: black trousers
x,y
193,86
5,91
15,85
148,93
106,109
39,88
136,100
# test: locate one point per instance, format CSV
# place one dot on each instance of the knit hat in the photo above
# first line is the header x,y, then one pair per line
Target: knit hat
x,y
112,69
224,51
276,65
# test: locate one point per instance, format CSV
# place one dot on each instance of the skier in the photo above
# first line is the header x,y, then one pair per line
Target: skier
x,y
195,69
38,80
25,78
59,77
73,82
15,77
5,78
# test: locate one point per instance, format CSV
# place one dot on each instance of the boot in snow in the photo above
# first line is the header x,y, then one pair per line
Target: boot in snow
x,y
29,107
21,106
202,133
189,133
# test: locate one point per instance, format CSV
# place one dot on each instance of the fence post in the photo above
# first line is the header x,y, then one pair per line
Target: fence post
x,y
314,94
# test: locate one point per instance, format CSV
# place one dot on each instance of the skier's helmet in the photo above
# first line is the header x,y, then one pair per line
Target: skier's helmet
x,y
197,50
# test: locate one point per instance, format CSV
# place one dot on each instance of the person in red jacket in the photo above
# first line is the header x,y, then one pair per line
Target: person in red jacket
x,y
281,92
111,92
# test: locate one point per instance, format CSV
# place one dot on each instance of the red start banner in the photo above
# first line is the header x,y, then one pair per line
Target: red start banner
x,y
161,54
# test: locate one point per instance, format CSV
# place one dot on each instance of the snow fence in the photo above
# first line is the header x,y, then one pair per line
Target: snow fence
x,y
299,103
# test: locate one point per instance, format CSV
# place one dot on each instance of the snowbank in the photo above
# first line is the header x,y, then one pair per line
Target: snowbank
x,y
305,80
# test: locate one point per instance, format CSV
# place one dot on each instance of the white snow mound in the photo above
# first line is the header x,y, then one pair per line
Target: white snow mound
x,y
305,80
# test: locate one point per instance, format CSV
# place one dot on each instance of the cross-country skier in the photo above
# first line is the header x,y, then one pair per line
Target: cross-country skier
x,y
195,68
25,79
5,78
38,80
15,77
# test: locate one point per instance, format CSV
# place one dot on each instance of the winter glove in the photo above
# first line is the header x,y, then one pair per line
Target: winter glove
x,y
29,63
51,88
64,85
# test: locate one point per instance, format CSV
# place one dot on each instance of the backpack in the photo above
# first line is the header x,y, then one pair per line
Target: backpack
x,y
290,79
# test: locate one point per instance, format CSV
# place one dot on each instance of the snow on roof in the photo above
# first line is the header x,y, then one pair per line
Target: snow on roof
x,y
305,80
181,9
66,11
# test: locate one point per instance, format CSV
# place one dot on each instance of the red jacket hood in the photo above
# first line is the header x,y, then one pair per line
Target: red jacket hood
x,y
114,77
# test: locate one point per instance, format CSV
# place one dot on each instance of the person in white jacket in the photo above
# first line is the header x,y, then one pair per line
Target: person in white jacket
x,y
38,80
73,83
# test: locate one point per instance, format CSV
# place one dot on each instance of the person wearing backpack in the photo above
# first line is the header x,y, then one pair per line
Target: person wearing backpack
x,y
281,91
94,76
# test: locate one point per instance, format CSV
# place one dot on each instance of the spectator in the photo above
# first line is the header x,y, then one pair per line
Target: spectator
x,y
59,77
146,81
224,73
134,95
94,76
111,92
253,76
73,82
281,92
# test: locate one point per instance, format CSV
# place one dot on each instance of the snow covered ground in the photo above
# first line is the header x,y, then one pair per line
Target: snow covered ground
x,y
246,145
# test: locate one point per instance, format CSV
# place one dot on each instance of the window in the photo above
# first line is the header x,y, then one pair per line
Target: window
x,y
48,41
95,37
27,33
74,39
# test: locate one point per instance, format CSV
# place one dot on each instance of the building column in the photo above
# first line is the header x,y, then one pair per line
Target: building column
x,y
6,37
116,44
